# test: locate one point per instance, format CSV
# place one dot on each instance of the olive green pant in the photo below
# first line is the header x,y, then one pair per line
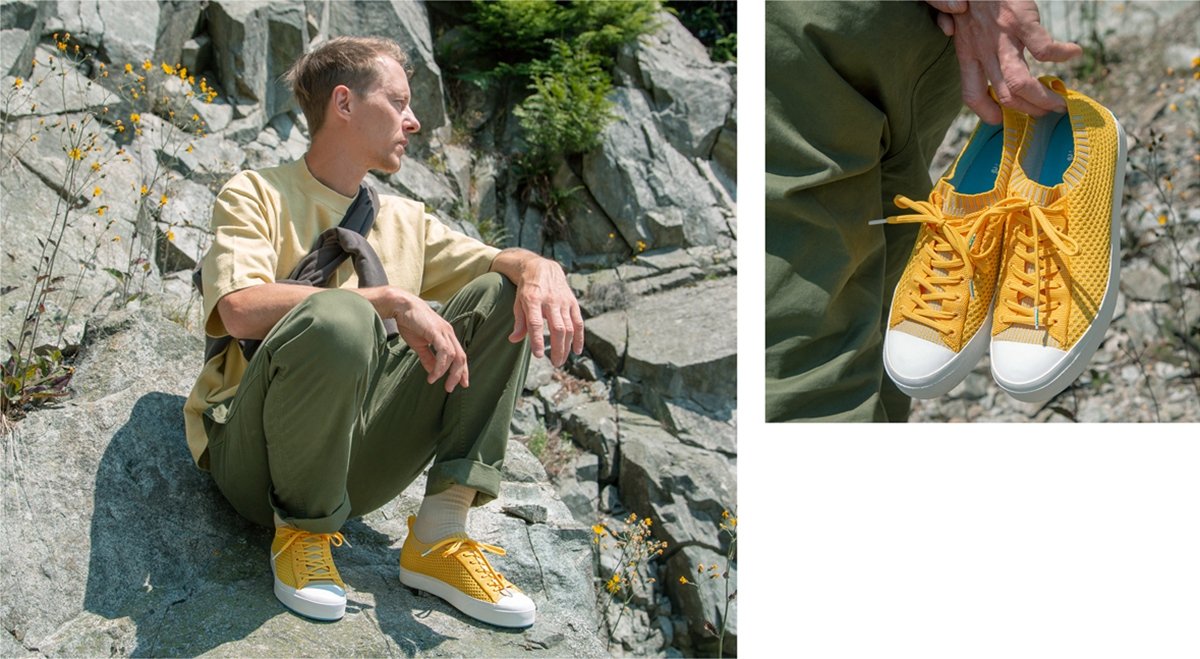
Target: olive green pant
x,y
859,96
332,420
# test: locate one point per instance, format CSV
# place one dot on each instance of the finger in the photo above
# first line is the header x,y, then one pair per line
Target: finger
x,y
426,357
577,320
1007,83
443,354
1025,93
457,374
946,23
533,329
974,84
1044,48
519,328
948,6
558,334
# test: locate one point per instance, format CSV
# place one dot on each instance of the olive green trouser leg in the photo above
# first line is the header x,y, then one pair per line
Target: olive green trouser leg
x,y
332,420
859,96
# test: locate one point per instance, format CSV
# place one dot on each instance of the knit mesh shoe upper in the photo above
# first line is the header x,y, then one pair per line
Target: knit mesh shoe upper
x,y
1059,275
455,569
944,297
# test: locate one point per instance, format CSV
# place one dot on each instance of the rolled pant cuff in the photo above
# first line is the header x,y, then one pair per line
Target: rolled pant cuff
x,y
485,480
330,523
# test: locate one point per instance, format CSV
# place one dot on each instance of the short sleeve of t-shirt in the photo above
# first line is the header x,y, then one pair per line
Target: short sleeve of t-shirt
x,y
452,260
242,252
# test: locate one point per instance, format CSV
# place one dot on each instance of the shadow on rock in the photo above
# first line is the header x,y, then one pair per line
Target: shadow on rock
x,y
166,549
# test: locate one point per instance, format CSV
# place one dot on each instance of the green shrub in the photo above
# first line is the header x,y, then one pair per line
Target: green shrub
x,y
568,107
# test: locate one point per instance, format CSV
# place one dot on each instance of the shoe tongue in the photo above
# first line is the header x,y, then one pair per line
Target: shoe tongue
x,y
956,205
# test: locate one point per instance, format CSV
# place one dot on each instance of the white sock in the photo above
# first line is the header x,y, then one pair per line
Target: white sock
x,y
443,514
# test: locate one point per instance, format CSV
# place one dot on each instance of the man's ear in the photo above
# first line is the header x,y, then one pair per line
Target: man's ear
x,y
340,101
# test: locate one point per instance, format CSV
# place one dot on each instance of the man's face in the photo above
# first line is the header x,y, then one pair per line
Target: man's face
x,y
384,118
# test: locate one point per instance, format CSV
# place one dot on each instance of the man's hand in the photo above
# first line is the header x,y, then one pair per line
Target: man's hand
x,y
543,300
990,39
425,332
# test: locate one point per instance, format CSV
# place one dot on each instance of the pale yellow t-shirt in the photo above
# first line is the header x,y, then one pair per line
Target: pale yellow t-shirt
x,y
264,222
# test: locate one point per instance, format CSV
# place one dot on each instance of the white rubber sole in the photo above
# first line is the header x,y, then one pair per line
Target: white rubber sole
x,y
509,612
941,381
309,608
1076,360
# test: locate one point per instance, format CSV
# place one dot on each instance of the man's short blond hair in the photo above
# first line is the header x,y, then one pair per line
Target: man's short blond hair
x,y
349,61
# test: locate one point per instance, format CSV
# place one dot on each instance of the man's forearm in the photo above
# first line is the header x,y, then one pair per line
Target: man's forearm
x,y
510,263
251,312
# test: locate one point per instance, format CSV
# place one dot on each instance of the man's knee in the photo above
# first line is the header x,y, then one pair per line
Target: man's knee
x,y
491,293
335,326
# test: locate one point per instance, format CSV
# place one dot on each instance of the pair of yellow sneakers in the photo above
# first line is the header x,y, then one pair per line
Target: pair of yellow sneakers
x,y
1018,252
453,568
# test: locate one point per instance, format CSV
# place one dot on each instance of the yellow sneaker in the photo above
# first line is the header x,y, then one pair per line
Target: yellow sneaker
x,y
455,569
1061,265
306,580
942,307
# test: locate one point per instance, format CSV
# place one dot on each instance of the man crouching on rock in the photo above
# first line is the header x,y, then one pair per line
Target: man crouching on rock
x,y
330,418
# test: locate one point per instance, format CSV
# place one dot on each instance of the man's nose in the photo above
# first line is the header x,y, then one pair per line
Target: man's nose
x,y
410,121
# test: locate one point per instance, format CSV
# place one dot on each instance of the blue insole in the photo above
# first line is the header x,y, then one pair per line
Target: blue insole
x,y
976,171
1060,151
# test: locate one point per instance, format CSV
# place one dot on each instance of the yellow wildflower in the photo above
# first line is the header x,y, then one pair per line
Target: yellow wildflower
x,y
170,236
147,65
95,167
189,148
684,581
33,138
1162,219
162,201
100,211
135,117
598,529
182,73
19,82
1173,108
75,154
62,46
614,584
641,245
96,192
145,190
128,68
1196,62
116,239
168,69
195,117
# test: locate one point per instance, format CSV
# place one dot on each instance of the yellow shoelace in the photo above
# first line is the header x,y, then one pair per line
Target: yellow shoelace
x,y
316,563
954,235
1031,251
472,553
